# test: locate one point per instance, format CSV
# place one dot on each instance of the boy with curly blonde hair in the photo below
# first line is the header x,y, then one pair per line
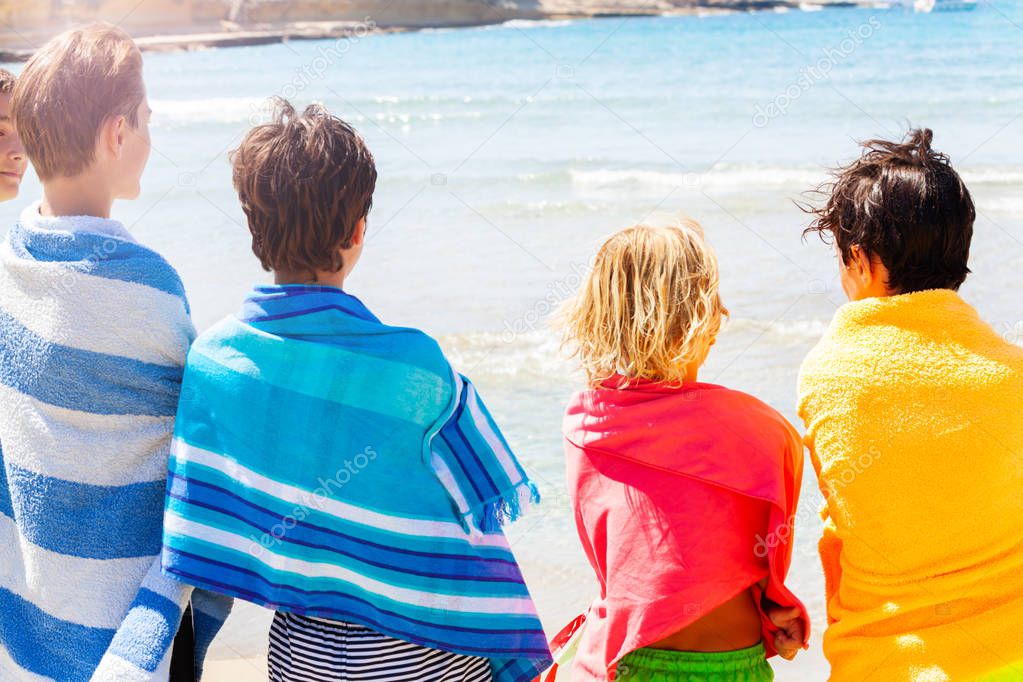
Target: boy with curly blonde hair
x,y
674,482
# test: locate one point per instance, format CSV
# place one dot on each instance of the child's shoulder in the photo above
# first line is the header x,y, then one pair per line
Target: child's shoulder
x,y
393,344
758,416
142,265
414,346
735,399
98,255
221,331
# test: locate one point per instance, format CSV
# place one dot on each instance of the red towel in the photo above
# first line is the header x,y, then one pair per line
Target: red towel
x,y
684,497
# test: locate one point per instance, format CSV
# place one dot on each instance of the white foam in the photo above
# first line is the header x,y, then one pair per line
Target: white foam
x,y
750,176
529,349
406,118
792,329
536,23
210,110
1005,204
736,177
993,176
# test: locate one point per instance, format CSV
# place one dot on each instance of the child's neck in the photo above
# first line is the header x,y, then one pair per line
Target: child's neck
x,y
327,279
82,195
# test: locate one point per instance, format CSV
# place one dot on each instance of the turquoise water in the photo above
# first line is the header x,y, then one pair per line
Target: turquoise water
x,y
506,154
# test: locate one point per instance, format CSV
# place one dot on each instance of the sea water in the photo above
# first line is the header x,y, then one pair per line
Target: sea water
x,y
507,153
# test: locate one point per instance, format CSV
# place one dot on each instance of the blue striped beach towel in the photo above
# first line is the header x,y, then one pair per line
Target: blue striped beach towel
x,y
329,465
93,334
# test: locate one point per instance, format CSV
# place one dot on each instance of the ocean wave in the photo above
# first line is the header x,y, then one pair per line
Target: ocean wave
x,y
993,176
534,351
227,110
534,23
209,110
425,117
532,355
445,99
793,329
740,177
546,208
1004,204
733,177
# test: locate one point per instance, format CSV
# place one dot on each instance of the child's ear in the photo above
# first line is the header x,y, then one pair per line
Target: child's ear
x,y
860,265
112,135
360,233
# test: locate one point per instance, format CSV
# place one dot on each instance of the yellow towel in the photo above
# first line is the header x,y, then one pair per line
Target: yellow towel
x,y
914,418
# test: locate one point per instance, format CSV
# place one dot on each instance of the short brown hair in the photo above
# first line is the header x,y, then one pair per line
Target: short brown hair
x,y
68,89
6,81
904,203
304,181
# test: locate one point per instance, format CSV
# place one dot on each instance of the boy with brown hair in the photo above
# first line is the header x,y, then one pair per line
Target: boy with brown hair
x,y
94,328
335,468
12,155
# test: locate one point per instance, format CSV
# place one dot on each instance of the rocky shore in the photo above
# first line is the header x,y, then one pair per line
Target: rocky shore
x,y
200,24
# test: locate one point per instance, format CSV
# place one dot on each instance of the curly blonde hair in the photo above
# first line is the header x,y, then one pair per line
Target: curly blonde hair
x,y
649,308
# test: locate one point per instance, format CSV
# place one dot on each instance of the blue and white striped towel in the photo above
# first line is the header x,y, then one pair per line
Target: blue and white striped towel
x,y
329,465
94,329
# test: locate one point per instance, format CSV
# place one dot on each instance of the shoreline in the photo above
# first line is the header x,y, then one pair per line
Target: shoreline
x,y
224,34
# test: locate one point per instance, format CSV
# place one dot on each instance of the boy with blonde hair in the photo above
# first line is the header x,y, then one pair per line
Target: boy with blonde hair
x,y
674,482
94,328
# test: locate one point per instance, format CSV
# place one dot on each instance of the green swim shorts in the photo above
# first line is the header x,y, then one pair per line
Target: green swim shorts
x,y
661,665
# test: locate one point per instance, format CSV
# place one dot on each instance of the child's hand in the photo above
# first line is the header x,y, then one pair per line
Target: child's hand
x,y
789,639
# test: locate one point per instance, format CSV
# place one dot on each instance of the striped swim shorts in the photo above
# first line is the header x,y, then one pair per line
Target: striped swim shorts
x,y
305,649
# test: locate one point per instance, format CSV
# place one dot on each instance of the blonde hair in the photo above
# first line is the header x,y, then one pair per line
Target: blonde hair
x,y
649,308
66,91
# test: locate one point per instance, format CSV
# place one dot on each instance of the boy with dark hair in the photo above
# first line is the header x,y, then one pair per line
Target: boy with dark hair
x,y
901,218
335,468
913,408
12,154
94,328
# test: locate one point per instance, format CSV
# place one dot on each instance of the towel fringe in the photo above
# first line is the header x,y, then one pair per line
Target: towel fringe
x,y
503,510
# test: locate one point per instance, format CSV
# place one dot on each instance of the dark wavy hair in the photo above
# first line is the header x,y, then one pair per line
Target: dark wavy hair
x,y
903,203
304,182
